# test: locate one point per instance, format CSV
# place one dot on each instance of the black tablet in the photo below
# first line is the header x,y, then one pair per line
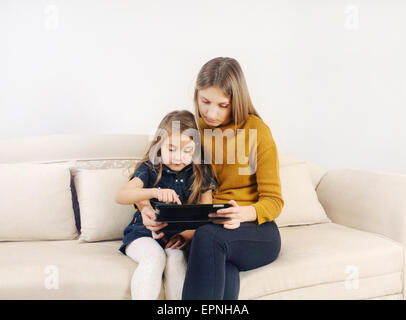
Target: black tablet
x,y
187,216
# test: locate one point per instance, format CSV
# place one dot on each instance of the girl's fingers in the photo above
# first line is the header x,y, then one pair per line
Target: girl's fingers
x,y
227,210
232,215
174,196
233,203
217,222
233,209
157,228
153,223
173,246
157,235
233,218
221,221
168,245
176,199
176,244
231,225
148,215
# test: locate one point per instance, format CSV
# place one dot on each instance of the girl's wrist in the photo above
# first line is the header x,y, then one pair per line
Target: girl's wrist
x,y
187,234
154,192
250,214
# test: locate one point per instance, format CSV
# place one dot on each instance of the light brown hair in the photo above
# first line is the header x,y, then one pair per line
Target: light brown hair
x,y
226,73
187,121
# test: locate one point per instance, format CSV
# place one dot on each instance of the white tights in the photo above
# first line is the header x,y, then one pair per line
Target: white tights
x,y
153,261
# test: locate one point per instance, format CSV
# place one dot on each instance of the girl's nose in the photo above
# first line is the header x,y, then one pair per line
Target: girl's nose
x,y
212,113
176,157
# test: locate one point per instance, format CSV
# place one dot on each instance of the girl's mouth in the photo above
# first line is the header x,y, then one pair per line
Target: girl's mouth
x,y
210,121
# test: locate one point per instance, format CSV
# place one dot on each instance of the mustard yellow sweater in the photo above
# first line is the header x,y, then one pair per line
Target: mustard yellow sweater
x,y
257,184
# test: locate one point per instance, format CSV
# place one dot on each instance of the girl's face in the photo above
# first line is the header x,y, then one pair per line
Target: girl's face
x,y
177,151
214,106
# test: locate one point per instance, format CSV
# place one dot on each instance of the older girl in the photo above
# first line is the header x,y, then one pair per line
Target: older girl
x,y
250,239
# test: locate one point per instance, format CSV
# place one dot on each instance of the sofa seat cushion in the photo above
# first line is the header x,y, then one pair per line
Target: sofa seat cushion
x,y
324,253
65,269
388,286
313,259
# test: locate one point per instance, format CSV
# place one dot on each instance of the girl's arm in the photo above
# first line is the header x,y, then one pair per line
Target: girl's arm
x,y
133,192
206,197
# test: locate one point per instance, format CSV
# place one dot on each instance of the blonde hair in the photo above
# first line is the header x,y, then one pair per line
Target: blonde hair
x,y
226,73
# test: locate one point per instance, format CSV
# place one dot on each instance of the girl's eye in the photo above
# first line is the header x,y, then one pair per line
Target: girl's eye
x,y
226,106
187,150
172,149
205,102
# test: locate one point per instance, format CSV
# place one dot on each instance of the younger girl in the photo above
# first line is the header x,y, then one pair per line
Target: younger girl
x,y
167,173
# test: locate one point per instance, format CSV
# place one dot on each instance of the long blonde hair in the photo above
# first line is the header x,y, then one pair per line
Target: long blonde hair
x,y
226,73
187,121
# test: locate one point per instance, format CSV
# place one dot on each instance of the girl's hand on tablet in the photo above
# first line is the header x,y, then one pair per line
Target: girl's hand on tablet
x,y
236,213
148,219
167,196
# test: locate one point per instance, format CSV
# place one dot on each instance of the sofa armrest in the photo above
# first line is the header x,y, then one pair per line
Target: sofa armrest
x,y
366,200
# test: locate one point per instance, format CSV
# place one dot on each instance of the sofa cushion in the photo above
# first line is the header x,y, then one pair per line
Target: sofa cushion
x,y
65,269
325,253
388,286
101,217
314,262
36,202
301,203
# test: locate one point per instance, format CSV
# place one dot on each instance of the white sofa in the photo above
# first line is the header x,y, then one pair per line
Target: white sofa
x,y
343,230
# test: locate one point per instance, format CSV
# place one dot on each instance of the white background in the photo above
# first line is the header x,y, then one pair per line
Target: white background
x,y
328,77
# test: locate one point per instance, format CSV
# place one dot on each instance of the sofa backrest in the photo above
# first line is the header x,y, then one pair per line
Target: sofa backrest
x,y
95,151
99,151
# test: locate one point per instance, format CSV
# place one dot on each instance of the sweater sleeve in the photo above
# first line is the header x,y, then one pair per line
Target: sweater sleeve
x,y
270,201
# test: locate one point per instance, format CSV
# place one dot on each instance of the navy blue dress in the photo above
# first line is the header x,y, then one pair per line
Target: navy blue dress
x,y
178,181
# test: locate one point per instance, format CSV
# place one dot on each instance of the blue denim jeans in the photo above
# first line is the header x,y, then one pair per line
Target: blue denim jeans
x,y
217,255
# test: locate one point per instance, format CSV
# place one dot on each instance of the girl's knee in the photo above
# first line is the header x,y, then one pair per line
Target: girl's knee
x,y
209,229
175,256
209,235
175,253
146,250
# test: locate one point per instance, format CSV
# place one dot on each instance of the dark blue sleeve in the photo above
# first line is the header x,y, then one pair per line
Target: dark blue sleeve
x,y
143,173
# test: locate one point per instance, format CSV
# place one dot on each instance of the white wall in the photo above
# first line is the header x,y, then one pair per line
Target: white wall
x,y
327,76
